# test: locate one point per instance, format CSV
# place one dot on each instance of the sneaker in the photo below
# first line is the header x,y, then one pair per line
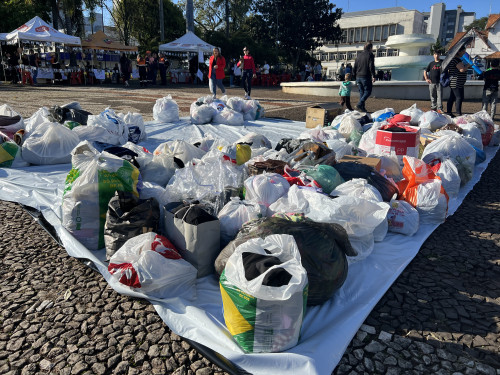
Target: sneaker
x,y
360,109
246,96
440,111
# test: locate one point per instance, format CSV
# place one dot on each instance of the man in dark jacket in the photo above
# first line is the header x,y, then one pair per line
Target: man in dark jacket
x,y
364,71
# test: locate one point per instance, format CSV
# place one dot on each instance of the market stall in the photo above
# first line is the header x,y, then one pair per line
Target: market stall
x,y
187,45
37,30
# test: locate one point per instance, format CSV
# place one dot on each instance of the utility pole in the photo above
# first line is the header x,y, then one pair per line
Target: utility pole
x,y
162,24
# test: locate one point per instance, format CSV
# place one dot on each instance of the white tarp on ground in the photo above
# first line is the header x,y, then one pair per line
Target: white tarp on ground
x,y
38,30
327,329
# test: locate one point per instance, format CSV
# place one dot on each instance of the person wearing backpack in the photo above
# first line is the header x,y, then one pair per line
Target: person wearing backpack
x,y
432,75
458,76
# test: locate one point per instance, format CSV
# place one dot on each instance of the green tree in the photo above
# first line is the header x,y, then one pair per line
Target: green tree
x,y
210,15
299,26
437,47
479,24
17,12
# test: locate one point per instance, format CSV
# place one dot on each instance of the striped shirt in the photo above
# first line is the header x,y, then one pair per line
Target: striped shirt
x,y
457,78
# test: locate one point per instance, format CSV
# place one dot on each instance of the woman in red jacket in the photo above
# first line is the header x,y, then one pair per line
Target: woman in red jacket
x,y
216,72
247,66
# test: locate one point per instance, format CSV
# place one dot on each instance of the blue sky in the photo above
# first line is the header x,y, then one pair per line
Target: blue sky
x,y
481,7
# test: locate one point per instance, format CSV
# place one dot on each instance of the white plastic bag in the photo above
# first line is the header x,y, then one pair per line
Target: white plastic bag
x,y
117,131
166,110
182,150
458,150
432,120
348,125
201,113
6,110
341,148
414,113
228,116
358,187
252,110
133,119
50,143
266,188
91,183
150,264
254,140
375,115
277,311
159,167
432,205
450,179
236,103
402,218
472,134
38,118
236,213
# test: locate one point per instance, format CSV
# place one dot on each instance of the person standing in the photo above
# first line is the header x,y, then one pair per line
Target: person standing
x,y
364,71
34,64
317,71
125,68
153,68
247,65
216,72
232,64
345,92
341,72
162,66
141,65
490,90
237,75
432,76
458,76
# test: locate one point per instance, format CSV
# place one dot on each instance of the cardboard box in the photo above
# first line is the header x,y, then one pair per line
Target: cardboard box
x,y
425,139
322,114
398,143
372,162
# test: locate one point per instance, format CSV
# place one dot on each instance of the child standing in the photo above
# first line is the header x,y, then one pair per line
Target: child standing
x,y
345,92
490,90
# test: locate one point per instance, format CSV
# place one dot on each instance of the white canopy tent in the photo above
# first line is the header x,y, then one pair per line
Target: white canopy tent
x,y
37,30
189,42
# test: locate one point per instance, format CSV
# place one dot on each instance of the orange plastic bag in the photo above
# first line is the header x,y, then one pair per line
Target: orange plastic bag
x,y
419,180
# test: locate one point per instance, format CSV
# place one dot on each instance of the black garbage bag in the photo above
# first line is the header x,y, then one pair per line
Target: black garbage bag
x,y
62,114
323,248
350,170
289,144
127,217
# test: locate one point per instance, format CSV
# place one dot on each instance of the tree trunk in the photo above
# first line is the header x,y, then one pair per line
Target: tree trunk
x,y
227,18
55,14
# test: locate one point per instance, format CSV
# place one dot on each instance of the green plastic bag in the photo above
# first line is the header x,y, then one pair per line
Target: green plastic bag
x,y
326,176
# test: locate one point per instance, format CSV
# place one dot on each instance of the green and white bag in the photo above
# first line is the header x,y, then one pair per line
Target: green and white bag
x,y
264,293
91,183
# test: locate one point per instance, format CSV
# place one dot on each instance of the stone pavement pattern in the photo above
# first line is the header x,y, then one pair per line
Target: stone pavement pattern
x,y
441,316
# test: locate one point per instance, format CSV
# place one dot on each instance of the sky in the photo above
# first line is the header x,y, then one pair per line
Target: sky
x,y
481,7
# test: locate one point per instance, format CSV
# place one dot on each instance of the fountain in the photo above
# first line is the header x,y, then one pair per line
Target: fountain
x,y
409,65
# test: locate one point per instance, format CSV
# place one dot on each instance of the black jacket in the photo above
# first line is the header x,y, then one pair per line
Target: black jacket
x,y
364,66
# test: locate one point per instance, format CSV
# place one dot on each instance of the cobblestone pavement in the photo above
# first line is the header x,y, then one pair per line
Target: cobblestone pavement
x,y
441,316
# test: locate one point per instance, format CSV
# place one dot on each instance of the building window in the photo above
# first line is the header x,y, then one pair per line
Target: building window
x,y
378,30
324,57
371,33
364,34
357,36
344,36
385,32
392,30
351,35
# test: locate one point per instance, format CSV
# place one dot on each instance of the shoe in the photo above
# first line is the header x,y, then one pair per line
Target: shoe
x,y
451,115
246,96
440,111
360,109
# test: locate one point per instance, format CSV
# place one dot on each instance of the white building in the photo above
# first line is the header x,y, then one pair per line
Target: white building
x,y
90,27
445,24
371,25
